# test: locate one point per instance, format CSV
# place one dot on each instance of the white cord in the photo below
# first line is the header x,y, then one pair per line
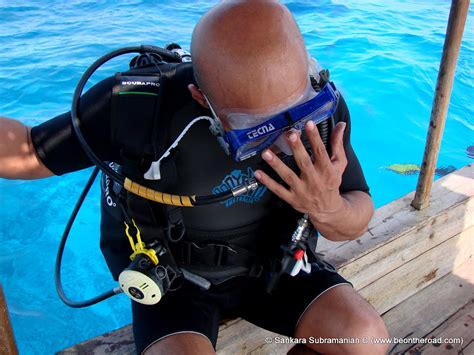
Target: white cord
x,y
154,172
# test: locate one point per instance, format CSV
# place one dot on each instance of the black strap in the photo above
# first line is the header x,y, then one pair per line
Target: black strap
x,y
135,106
175,229
219,255
152,225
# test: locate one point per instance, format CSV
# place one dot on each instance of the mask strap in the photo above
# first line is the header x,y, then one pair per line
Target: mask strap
x,y
216,128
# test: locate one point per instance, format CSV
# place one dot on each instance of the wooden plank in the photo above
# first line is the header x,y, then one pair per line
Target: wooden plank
x,y
468,350
237,332
236,336
453,336
119,341
396,252
241,338
228,323
444,84
428,308
398,285
273,349
399,218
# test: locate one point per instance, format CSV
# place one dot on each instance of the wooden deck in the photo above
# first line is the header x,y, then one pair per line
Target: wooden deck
x,y
415,267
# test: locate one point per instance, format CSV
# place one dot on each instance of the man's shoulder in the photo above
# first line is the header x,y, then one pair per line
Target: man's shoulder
x,y
342,111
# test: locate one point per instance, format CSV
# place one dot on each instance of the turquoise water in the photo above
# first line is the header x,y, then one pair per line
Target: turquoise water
x,y
383,56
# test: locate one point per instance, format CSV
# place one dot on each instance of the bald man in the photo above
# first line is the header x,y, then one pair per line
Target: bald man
x,y
249,62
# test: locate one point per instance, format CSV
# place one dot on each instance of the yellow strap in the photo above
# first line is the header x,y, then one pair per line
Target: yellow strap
x,y
130,239
139,239
139,247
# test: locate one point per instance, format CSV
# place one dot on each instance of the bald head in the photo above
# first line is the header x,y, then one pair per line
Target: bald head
x,y
249,55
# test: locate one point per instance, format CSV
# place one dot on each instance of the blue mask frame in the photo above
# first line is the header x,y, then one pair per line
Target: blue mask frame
x,y
245,143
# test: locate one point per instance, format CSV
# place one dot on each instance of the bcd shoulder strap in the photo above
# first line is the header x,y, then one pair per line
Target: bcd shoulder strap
x,y
135,114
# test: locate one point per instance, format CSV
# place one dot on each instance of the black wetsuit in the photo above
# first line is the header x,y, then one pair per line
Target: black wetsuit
x,y
257,221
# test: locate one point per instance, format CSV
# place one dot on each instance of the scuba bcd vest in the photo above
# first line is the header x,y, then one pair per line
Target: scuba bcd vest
x,y
155,96
236,231
217,241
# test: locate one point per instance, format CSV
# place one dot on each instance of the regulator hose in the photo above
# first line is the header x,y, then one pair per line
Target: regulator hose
x,y
59,257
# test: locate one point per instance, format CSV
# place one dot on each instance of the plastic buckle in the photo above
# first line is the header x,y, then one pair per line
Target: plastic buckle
x,y
173,227
222,253
175,224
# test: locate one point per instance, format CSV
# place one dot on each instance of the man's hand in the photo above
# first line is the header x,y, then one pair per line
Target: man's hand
x,y
316,190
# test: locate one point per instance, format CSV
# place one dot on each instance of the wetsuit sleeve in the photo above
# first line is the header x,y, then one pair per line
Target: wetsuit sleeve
x,y
56,143
353,177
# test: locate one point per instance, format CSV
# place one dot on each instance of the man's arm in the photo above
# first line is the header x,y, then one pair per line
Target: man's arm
x,y
348,222
18,159
52,148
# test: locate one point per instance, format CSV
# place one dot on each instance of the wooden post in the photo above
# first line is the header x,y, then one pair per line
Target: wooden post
x,y
444,84
7,341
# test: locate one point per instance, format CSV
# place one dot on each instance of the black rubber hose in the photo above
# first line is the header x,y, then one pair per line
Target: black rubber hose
x,y
210,199
62,244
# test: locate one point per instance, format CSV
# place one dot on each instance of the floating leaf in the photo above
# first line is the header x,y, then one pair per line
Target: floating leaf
x,y
412,169
404,169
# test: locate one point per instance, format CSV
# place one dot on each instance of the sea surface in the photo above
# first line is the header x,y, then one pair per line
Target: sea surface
x,y
383,56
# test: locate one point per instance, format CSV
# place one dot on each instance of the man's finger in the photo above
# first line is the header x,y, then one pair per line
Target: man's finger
x,y
274,187
281,168
320,155
302,158
337,144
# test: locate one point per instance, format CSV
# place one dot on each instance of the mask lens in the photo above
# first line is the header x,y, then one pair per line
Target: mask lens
x,y
317,116
255,146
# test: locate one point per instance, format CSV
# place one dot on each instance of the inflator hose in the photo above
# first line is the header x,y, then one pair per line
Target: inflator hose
x,y
62,244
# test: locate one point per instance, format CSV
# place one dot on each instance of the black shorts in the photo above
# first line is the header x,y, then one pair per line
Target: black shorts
x,y
191,309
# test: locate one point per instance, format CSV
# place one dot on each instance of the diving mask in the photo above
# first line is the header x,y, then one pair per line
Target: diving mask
x,y
243,140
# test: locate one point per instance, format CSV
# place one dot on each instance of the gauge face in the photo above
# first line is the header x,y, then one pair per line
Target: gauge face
x,y
136,293
140,287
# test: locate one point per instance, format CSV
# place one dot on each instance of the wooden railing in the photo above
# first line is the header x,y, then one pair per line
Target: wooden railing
x,y
444,85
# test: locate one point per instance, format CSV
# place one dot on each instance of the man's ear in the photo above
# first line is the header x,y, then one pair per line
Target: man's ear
x,y
197,95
